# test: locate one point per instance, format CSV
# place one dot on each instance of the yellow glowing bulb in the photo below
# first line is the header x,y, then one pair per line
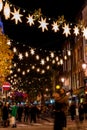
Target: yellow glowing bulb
x,y
57,86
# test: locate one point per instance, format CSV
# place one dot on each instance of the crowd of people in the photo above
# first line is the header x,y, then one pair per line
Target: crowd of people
x,y
10,113
77,113
80,111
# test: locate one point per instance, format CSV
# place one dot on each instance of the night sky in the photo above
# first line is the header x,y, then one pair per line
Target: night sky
x,y
33,36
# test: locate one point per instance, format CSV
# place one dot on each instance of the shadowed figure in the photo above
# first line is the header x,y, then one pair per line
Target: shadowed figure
x,y
72,111
60,117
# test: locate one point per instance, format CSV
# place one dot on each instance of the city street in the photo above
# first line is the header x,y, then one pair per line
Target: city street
x,y
49,126
45,125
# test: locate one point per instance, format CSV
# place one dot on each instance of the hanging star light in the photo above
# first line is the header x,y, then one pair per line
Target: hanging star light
x,y
30,20
61,61
15,64
6,11
52,55
47,58
38,70
19,70
53,61
20,56
26,54
43,71
42,61
33,67
66,30
43,24
57,58
28,70
32,51
55,27
14,50
1,5
23,72
48,67
11,71
37,57
16,16
76,30
85,32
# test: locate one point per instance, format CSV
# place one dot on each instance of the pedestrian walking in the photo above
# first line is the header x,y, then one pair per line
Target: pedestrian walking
x,y
19,112
26,113
59,117
81,112
5,114
85,110
72,110
13,115
33,113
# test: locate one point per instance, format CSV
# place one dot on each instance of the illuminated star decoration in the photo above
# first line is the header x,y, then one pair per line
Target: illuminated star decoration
x,y
20,56
1,5
76,30
42,61
16,16
43,24
85,33
6,11
55,27
52,54
66,30
30,20
32,51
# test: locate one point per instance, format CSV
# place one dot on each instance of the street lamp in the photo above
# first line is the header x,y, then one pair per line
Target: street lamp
x,y
84,67
62,79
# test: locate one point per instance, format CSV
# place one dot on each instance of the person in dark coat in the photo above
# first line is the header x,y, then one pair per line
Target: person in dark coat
x,y
85,110
26,113
72,111
59,117
81,112
20,112
33,113
5,113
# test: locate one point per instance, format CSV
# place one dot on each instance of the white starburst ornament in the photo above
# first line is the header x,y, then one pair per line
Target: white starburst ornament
x,y
30,20
76,30
85,32
55,27
42,61
52,55
1,5
6,11
32,51
16,16
66,30
20,56
43,24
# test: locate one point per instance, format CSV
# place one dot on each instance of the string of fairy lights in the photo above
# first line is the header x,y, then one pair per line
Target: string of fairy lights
x,y
37,60
13,12
17,14
50,57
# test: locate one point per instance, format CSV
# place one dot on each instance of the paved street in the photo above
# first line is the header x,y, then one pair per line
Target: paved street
x,y
45,125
